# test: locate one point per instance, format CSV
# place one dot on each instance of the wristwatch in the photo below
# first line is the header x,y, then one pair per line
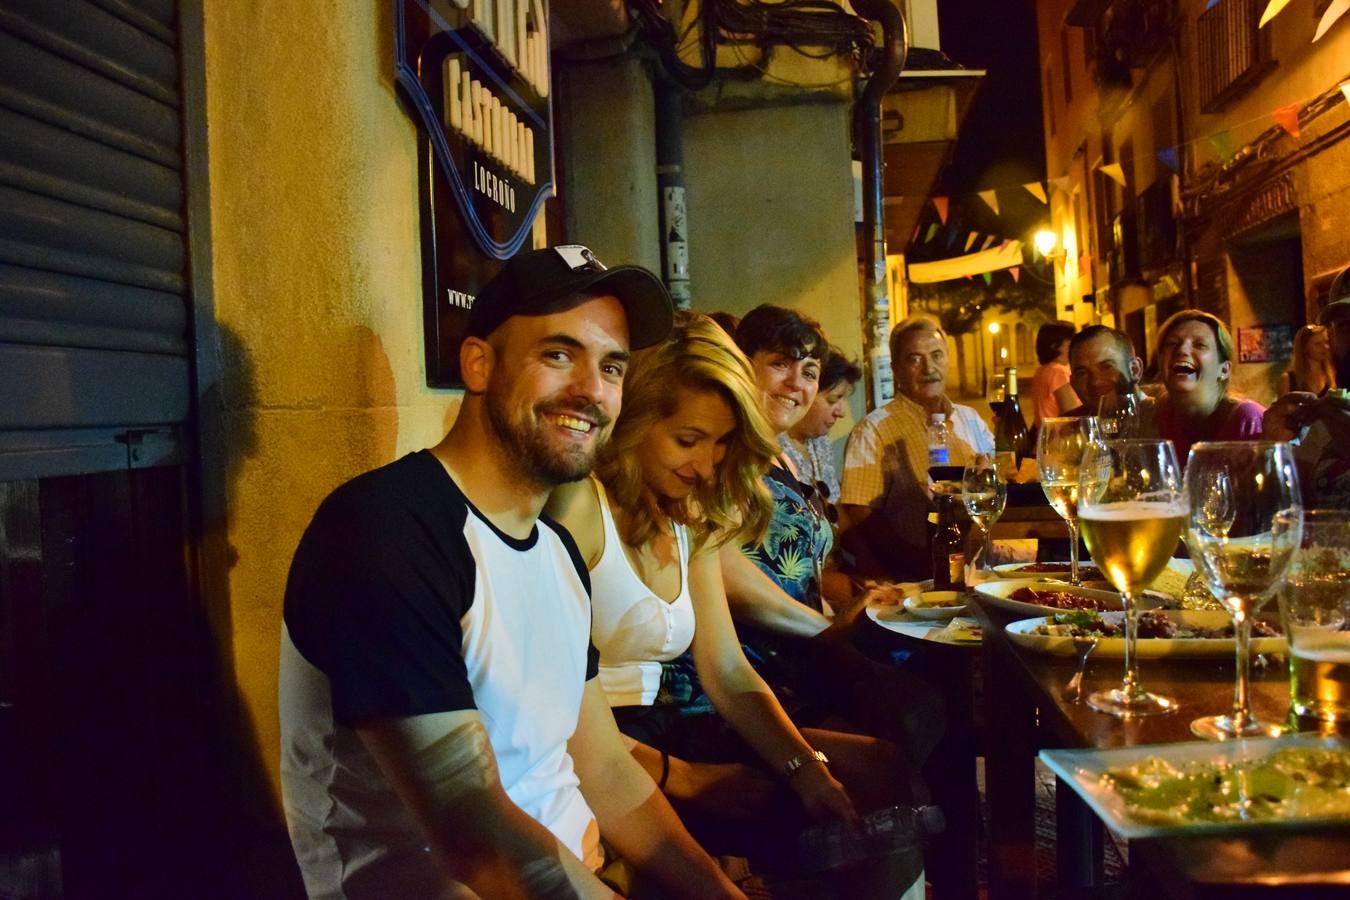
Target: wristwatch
x,y
794,765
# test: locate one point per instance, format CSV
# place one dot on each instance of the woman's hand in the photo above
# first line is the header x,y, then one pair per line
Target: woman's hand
x,y
822,795
728,790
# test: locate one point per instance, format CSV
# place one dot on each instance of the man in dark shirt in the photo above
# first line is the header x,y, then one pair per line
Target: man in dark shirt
x,y
443,731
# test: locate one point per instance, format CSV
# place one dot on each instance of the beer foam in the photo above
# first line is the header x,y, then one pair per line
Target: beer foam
x,y
1132,510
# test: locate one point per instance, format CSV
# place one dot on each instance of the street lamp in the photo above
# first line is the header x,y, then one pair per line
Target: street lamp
x,y
1045,241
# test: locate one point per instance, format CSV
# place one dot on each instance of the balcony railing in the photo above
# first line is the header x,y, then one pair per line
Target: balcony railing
x,y
1233,53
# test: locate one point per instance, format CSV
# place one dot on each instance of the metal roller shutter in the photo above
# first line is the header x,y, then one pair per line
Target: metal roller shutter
x,y
94,303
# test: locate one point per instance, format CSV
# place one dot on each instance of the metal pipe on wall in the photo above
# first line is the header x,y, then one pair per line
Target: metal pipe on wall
x,y
674,221
867,124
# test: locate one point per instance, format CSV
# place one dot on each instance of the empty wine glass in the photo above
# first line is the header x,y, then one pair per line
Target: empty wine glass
x,y
1118,415
1244,553
1132,512
984,494
1059,454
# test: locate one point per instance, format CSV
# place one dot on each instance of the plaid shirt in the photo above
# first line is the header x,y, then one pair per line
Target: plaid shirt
x,y
886,462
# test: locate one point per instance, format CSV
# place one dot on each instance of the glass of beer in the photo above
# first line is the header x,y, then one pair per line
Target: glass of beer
x,y
1315,611
1059,454
1132,511
1243,545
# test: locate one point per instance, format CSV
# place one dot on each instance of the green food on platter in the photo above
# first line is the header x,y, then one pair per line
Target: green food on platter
x,y
1291,784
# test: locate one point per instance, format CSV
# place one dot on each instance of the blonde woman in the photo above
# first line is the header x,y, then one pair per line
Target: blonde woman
x,y
679,478
1312,369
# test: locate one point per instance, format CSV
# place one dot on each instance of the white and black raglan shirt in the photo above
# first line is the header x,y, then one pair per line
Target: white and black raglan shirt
x,y
404,600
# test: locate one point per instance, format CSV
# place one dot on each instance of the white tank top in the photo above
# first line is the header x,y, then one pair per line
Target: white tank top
x,y
635,630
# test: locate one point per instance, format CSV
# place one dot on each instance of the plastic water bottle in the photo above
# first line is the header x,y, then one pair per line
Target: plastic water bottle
x,y
939,452
897,829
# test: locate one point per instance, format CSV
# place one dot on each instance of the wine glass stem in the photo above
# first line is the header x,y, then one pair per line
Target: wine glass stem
x,y
1073,550
1242,625
1130,686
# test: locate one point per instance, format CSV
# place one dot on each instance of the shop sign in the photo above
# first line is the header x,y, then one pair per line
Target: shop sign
x,y
475,78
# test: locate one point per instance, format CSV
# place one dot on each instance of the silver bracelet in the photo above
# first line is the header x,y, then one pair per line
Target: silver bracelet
x,y
794,765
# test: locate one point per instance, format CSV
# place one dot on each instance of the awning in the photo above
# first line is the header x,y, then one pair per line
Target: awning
x,y
1002,257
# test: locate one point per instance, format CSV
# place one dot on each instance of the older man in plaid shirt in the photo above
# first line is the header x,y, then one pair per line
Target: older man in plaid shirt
x,y
885,497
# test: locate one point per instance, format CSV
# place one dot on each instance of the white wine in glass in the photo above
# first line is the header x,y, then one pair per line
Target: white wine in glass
x,y
984,494
1059,455
1245,523
1132,512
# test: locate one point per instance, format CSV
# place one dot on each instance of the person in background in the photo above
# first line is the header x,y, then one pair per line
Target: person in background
x,y
726,321
678,479
1195,362
807,443
884,496
1312,370
1320,426
443,731
1103,364
1052,351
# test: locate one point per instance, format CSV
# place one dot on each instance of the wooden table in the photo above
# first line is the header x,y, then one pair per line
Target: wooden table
x,y
1027,708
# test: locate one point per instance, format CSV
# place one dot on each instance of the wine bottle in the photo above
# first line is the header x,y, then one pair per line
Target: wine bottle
x,y
1010,440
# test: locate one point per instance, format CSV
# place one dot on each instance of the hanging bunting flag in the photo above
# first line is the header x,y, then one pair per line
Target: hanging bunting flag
x,y
988,277
1114,172
915,236
1273,10
1084,263
1211,4
991,198
940,204
1063,184
932,230
1168,157
970,240
1337,9
1223,144
1035,189
951,238
1345,89
988,241
1016,272
1287,118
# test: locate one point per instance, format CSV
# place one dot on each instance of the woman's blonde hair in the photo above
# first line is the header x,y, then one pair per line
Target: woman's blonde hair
x,y
734,503
1223,340
1302,367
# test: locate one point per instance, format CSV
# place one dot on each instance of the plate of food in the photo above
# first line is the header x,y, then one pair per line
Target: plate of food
x,y
1161,633
1040,598
1058,571
937,605
1206,787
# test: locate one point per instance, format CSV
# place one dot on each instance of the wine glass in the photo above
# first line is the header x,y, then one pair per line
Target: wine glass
x,y
984,493
1059,454
1132,512
1244,549
1118,415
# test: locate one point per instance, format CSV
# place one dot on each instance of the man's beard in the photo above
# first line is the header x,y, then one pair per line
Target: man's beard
x,y
528,443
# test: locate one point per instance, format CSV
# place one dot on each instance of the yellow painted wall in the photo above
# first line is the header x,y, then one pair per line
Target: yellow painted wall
x,y
317,285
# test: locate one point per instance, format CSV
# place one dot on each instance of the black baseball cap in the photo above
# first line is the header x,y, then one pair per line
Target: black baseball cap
x,y
533,282
1339,295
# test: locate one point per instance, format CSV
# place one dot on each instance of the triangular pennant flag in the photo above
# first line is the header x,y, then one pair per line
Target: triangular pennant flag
x,y
1223,144
1034,187
932,230
991,198
1114,172
951,238
1337,9
915,236
970,240
1287,118
1084,263
988,241
1168,157
988,277
1345,89
940,204
1016,272
1273,10
1211,4
1063,183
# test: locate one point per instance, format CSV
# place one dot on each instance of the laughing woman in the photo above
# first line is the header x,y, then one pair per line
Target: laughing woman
x,y
1195,362
678,478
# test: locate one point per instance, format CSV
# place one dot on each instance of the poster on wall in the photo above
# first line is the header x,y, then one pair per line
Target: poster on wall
x,y
475,79
1265,343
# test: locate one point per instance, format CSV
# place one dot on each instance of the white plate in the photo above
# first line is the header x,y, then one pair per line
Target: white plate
x,y
917,607
1019,632
998,592
1012,570
1082,770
